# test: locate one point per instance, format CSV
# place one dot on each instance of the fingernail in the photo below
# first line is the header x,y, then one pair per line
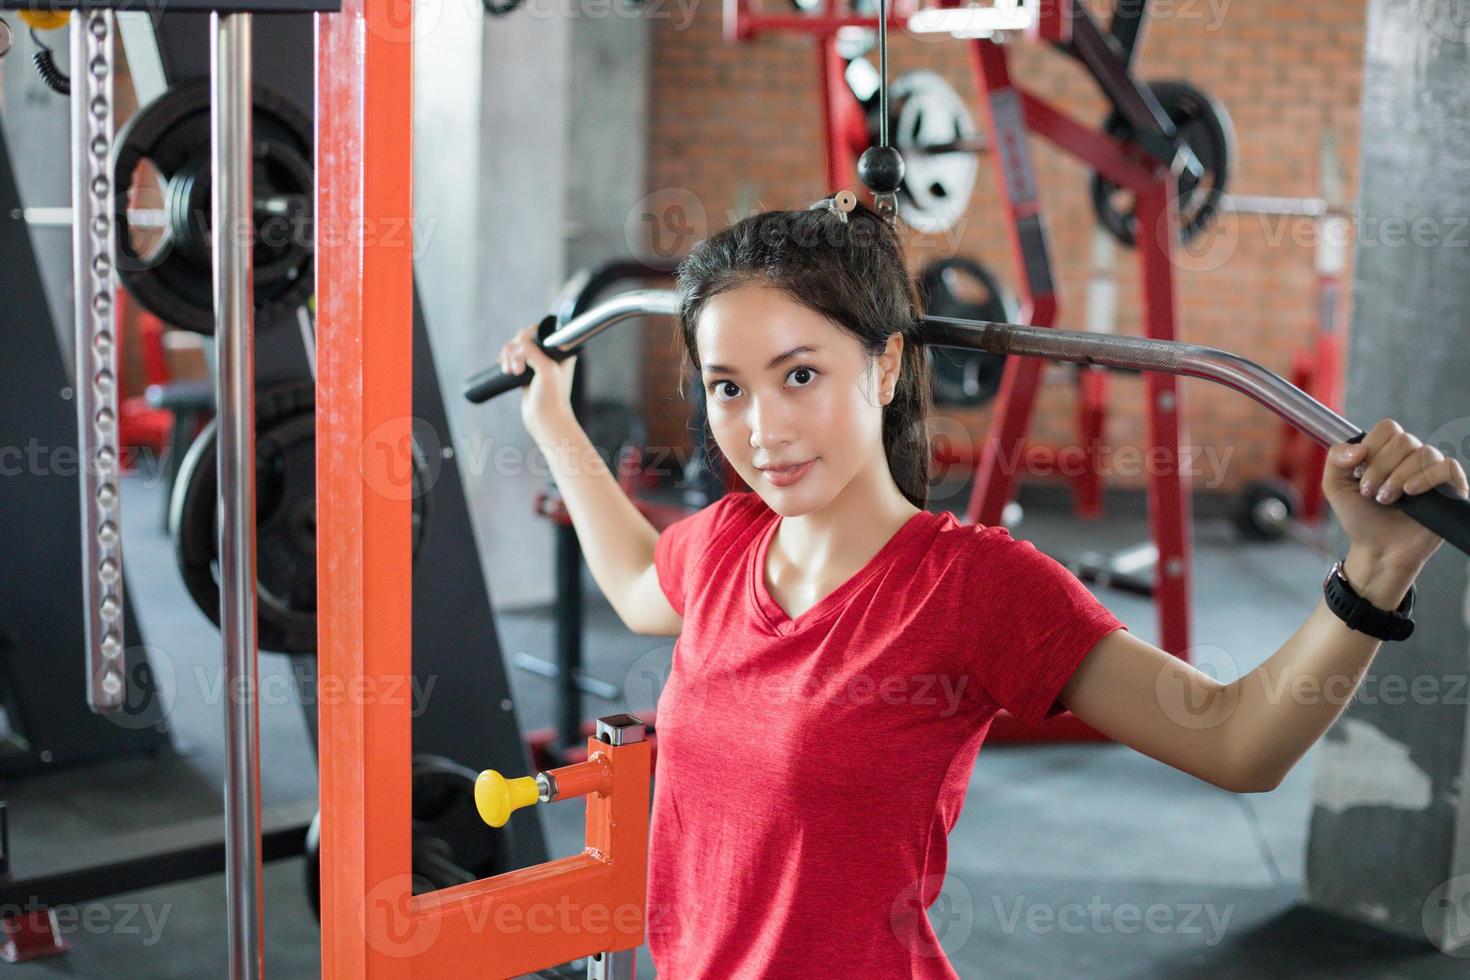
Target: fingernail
x,y
1384,495
1367,489
1358,472
1412,486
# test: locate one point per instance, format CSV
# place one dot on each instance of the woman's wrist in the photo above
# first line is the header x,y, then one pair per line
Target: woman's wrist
x,y
555,428
1379,578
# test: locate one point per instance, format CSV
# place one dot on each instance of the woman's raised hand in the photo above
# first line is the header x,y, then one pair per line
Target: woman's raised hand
x,y
1360,478
547,400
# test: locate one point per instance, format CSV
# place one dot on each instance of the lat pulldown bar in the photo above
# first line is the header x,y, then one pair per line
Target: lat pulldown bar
x,y
1440,510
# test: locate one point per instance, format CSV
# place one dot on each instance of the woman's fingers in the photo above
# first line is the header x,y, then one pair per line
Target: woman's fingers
x,y
1375,463
1414,466
1389,462
1378,474
520,350
1432,470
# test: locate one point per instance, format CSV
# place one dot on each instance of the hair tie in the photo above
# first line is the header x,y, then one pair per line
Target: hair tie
x,y
839,204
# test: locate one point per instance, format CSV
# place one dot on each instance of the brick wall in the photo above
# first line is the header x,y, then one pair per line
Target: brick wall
x,y
734,127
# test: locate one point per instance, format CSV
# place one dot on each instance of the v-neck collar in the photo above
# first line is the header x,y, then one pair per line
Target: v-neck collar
x,y
775,617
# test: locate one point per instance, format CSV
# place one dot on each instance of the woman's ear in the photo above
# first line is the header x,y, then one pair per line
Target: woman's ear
x,y
890,367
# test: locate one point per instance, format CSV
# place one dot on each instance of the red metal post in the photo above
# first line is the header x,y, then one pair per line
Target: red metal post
x,y
1169,503
364,118
838,106
1002,454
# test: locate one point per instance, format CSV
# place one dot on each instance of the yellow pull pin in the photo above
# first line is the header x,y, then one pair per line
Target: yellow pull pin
x,y
46,20
497,797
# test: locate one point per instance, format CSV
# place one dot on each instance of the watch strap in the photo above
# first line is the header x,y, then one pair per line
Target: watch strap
x,y
1361,615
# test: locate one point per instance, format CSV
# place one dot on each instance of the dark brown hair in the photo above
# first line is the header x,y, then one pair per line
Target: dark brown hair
x,y
853,273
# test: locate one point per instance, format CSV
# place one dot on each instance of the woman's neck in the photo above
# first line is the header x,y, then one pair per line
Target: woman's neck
x,y
848,531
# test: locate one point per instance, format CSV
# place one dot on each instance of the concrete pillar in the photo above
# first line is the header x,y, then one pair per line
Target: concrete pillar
x,y
1390,839
529,137
608,140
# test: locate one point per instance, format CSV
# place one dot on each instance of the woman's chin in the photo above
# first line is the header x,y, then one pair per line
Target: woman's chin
x,y
793,501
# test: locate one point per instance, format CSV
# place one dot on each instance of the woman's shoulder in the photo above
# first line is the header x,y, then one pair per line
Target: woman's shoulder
x,y
952,532
961,547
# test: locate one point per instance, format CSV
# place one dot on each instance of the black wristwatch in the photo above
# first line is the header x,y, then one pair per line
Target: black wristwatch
x,y
1362,615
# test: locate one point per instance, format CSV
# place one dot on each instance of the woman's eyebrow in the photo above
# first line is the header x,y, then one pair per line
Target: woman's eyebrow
x,y
793,352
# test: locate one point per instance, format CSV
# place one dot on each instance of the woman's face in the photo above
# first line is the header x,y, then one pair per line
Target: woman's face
x,y
785,387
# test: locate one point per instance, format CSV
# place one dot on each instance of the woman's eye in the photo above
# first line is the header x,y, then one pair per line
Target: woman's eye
x,y
724,388
719,386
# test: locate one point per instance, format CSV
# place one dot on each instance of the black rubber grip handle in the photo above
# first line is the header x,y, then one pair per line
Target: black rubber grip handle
x,y
491,382
1440,509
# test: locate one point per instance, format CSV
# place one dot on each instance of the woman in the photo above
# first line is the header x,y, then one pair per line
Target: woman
x,y
842,650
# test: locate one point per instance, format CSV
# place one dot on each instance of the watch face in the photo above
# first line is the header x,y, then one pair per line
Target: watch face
x,y
1330,572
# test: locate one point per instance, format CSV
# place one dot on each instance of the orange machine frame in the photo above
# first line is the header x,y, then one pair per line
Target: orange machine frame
x,y
372,924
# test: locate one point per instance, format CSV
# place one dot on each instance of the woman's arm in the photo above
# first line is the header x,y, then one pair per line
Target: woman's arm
x,y
1148,699
1244,736
616,539
1288,702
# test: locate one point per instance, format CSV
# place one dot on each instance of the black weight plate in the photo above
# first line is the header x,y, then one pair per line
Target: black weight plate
x,y
174,280
926,111
963,288
1205,127
285,518
451,844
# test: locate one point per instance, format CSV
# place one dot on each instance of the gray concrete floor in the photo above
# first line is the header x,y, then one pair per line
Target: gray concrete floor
x,y
1068,861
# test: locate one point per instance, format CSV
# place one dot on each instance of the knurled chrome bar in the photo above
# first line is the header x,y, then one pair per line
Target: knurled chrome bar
x,y
1146,354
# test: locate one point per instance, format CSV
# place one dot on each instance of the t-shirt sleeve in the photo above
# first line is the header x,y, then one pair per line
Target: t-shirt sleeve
x,y
681,545
1037,623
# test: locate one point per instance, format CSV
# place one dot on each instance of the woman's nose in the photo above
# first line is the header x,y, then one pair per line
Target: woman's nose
x,y
771,423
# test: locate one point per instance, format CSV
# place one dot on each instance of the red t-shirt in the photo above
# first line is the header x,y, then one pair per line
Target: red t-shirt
x,y
810,770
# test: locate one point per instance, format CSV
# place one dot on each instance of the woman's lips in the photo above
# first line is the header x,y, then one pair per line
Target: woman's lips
x,y
786,477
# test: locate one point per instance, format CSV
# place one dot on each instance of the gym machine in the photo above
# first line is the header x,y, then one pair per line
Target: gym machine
x,y
172,134
93,37
955,286
1268,509
47,722
1440,510
1159,167
620,438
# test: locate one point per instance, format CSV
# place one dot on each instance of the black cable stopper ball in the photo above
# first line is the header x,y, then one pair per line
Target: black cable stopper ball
x,y
881,169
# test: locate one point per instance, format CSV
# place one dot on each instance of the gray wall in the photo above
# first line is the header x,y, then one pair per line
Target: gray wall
x,y
529,141
1389,841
